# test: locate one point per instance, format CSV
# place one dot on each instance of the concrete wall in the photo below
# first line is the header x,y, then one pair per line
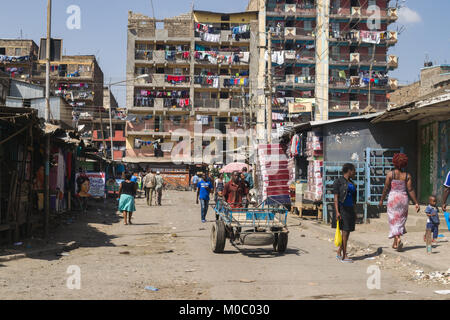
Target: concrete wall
x,y
343,139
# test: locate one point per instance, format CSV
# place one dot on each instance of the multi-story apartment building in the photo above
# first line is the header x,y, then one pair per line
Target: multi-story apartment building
x,y
335,51
79,79
18,57
199,68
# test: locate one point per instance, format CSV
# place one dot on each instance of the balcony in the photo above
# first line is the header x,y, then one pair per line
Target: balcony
x,y
358,59
224,36
293,33
359,13
201,81
356,82
291,80
219,58
302,57
353,36
148,104
150,128
161,80
292,10
206,103
162,57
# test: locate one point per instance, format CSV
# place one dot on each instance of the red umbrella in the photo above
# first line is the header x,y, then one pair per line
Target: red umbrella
x,y
234,166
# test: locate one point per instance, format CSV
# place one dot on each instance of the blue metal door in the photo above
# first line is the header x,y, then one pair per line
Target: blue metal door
x,y
378,164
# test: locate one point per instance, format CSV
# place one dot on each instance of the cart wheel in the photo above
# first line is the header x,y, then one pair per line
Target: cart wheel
x,y
218,235
282,242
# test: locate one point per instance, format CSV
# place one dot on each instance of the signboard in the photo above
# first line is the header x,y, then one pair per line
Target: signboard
x,y
93,187
301,105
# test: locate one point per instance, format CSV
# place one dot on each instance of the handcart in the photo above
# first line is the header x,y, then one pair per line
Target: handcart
x,y
260,226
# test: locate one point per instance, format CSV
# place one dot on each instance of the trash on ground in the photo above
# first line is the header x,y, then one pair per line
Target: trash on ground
x,y
370,258
124,252
405,291
246,281
190,270
65,254
18,243
442,291
174,235
150,288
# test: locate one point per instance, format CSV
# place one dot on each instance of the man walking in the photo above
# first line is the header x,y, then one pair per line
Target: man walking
x,y
194,182
204,188
159,184
149,185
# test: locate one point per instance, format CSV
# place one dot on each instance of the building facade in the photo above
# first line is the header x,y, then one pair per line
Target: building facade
x,y
332,51
190,72
18,57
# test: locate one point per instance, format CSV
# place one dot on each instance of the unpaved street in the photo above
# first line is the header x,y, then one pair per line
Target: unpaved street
x,y
169,248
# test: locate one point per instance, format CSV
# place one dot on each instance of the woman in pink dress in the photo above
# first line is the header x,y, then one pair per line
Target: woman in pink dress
x,y
399,183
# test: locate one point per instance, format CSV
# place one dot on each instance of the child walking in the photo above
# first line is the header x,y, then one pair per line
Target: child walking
x,y
432,213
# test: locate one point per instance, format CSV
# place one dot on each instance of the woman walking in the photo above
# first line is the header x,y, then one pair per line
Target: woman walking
x,y
399,182
127,193
344,190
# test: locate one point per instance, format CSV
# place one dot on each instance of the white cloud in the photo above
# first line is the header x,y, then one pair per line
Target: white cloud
x,y
408,16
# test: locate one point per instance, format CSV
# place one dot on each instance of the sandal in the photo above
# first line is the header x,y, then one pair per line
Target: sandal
x,y
400,246
348,260
338,257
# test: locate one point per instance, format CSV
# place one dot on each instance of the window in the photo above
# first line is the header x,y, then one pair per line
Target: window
x,y
308,25
2,51
372,3
18,52
335,52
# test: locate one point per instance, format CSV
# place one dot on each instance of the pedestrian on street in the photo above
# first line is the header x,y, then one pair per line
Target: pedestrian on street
x,y
246,200
204,188
432,212
149,185
446,192
159,184
218,187
194,182
399,182
234,191
344,191
127,193
248,177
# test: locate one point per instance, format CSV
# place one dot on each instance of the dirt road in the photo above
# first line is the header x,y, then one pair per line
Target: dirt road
x,y
168,248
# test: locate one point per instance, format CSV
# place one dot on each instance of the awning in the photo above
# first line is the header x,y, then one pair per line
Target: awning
x,y
146,160
437,107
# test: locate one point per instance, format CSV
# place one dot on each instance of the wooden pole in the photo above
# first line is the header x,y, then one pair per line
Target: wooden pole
x,y
47,120
269,78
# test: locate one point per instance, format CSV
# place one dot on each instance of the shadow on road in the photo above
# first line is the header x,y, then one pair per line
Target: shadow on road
x,y
268,253
76,227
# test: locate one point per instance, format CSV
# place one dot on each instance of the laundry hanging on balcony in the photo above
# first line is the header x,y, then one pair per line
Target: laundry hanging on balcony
x,y
370,36
235,82
277,57
177,79
4,58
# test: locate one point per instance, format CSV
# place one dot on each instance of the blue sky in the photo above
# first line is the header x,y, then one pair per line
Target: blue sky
x,y
104,25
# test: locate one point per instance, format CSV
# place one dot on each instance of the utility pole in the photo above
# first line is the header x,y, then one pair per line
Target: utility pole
x,y
110,121
269,85
260,111
370,75
47,120
245,120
